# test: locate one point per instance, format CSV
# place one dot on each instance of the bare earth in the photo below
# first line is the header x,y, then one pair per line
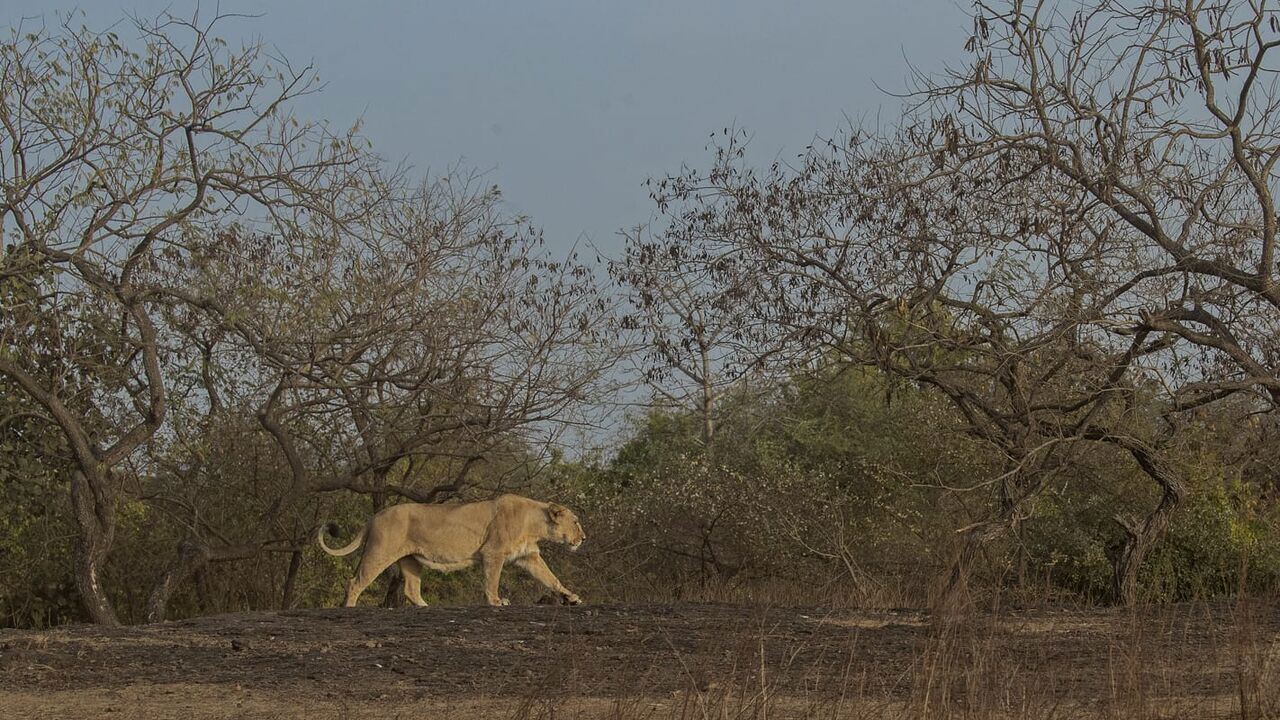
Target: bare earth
x,y
644,661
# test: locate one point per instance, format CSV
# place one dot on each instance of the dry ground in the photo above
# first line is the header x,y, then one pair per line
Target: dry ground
x,y
652,661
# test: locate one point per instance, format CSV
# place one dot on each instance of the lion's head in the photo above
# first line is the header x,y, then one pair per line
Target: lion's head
x,y
564,526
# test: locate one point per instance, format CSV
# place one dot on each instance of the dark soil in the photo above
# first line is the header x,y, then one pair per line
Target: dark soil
x,y
478,661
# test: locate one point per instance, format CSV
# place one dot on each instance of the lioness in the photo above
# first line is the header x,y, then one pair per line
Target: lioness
x,y
454,537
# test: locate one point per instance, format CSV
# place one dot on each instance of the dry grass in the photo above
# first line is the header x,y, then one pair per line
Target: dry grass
x,y
1158,665
662,661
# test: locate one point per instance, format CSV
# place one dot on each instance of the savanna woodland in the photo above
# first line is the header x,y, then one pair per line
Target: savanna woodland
x,y
1025,340
1019,344
1015,349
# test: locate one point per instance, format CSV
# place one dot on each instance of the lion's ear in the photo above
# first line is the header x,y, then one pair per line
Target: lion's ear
x,y
556,512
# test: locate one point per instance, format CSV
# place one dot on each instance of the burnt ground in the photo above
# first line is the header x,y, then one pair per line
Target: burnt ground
x,y
647,661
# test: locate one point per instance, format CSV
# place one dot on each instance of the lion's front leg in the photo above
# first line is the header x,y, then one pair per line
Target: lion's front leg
x,y
535,566
492,576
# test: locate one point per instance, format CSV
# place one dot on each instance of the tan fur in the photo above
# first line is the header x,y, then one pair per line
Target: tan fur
x,y
454,537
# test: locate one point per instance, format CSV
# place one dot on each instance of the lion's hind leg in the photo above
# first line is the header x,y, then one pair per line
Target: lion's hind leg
x,y
412,572
371,566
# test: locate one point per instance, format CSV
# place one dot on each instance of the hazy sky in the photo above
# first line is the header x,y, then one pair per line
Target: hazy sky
x,y
569,106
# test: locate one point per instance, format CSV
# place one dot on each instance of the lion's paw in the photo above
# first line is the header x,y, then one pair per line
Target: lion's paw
x,y
572,599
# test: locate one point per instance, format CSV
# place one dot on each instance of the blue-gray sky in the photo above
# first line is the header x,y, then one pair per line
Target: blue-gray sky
x,y
569,106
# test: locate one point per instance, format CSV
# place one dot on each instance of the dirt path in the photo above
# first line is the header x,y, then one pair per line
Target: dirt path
x,y
629,660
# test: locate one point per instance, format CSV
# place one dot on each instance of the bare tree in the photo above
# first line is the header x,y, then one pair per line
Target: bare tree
x,y
873,251
696,343
1076,224
1161,116
115,152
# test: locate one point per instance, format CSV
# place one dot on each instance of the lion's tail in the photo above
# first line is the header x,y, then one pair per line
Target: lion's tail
x,y
333,528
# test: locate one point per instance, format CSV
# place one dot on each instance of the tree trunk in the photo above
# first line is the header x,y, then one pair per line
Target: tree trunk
x,y
708,405
708,418
1140,538
291,579
204,590
958,575
191,556
394,597
94,510
1018,488
1127,563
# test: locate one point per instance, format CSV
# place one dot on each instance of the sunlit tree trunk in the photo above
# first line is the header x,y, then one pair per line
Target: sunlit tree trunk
x,y
93,505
